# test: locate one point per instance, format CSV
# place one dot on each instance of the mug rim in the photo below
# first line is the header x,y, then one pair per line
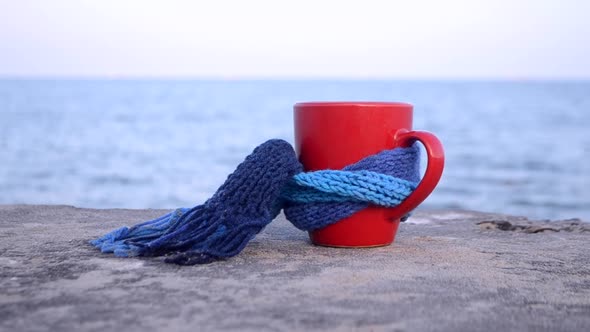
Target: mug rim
x,y
351,103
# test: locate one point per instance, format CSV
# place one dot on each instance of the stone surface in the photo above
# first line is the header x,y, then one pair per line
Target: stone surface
x,y
448,270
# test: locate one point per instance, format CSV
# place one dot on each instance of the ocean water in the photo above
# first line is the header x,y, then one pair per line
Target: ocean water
x,y
512,147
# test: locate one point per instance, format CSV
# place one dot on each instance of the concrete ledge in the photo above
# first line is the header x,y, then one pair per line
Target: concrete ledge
x,y
448,270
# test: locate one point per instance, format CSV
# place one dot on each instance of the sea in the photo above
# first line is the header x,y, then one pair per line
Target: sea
x,y
513,147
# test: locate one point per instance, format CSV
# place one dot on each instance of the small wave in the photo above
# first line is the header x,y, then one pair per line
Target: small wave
x,y
455,190
549,204
42,174
118,179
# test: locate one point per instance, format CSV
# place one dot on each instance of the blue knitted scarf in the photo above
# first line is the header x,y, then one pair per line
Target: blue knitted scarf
x,y
270,179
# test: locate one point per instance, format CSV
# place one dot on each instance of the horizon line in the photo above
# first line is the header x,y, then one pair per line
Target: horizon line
x,y
287,78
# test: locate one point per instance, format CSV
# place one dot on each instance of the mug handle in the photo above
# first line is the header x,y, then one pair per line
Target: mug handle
x,y
434,168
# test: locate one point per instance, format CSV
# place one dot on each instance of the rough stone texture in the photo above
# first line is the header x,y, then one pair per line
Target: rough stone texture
x,y
448,270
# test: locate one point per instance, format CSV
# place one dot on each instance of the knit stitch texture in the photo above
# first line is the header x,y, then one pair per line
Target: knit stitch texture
x,y
270,179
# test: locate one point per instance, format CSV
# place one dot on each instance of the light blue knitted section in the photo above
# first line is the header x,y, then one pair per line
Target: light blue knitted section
x,y
342,186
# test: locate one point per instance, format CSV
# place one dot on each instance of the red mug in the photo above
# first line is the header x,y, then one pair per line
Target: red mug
x,y
332,135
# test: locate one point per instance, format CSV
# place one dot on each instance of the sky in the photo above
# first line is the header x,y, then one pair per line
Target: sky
x,y
450,39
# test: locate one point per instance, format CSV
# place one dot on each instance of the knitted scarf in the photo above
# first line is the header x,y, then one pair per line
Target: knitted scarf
x,y
270,179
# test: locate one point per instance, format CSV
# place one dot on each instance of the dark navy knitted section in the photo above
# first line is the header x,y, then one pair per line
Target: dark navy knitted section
x,y
402,163
221,227
247,202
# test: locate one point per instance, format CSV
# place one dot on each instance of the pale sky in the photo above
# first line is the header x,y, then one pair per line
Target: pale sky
x,y
446,39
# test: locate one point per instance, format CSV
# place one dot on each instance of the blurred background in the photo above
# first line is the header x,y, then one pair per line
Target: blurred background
x,y
151,104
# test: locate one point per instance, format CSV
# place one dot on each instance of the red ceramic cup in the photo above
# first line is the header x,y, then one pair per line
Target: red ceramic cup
x,y
332,135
